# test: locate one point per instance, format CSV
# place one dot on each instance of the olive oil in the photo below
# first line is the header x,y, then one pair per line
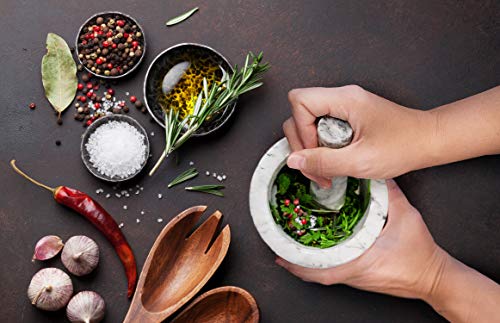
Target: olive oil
x,y
183,82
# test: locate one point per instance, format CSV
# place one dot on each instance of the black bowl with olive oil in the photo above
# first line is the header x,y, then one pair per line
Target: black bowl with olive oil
x,y
175,79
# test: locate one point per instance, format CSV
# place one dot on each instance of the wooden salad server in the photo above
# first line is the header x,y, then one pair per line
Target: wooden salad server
x,y
178,265
226,304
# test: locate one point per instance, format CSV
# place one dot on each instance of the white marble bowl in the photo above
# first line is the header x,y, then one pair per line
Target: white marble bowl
x,y
364,235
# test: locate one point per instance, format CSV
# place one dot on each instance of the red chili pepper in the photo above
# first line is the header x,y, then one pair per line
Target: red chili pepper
x,y
99,217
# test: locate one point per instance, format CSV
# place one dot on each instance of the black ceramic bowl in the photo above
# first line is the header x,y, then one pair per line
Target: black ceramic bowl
x,y
105,15
90,130
159,68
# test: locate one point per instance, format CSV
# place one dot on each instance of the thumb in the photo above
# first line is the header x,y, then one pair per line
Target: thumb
x,y
320,162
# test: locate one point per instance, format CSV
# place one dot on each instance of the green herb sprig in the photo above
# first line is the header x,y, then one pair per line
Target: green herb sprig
x,y
181,18
211,101
209,189
184,176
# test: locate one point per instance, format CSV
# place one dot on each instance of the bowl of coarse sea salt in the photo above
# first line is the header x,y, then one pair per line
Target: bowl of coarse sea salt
x,y
115,148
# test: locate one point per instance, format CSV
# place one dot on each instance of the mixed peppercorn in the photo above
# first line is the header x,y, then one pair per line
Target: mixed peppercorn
x,y
110,45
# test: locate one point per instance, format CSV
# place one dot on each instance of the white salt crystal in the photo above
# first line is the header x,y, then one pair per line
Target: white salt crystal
x,y
219,178
142,212
118,195
108,196
125,207
214,174
191,163
152,134
224,176
160,196
120,225
160,220
207,173
116,149
137,220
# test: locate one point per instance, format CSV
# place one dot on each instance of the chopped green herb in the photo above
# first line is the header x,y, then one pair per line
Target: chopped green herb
x,y
182,17
184,176
209,189
305,220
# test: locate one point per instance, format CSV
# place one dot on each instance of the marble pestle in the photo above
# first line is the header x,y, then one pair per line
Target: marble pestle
x,y
332,133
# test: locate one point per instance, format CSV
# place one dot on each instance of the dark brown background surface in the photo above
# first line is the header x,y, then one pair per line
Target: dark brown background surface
x,y
417,53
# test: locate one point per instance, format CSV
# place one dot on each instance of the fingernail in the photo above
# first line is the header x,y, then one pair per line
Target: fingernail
x,y
296,161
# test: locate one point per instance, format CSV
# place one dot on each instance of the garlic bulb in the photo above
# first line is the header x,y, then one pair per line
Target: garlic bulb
x,y
47,247
80,255
86,307
50,289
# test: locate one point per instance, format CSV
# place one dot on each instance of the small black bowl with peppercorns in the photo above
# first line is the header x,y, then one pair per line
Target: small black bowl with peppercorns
x,y
110,45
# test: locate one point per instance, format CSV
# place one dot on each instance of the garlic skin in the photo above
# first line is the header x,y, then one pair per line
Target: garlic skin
x,y
80,255
50,289
47,247
86,307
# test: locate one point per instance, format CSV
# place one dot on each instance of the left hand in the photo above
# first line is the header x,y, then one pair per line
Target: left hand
x,y
404,260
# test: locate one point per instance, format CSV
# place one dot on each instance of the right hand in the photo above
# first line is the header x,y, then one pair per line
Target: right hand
x,y
389,139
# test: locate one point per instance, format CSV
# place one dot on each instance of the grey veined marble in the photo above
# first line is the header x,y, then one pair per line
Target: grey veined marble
x,y
261,194
332,133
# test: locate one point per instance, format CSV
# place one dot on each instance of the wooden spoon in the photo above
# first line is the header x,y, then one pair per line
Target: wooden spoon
x,y
178,265
225,304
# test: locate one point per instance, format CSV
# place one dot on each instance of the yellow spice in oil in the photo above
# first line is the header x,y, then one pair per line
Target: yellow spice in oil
x,y
183,83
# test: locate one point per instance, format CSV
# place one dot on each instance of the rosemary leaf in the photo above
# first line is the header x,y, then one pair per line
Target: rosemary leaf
x,y
184,176
181,18
209,189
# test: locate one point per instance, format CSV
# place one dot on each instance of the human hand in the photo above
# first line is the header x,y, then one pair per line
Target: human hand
x,y
404,260
389,139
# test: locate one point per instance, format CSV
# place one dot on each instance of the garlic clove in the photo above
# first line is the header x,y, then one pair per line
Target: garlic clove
x,y
50,289
80,255
47,247
86,307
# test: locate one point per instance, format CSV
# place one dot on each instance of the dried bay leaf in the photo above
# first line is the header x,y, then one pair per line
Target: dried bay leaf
x,y
59,73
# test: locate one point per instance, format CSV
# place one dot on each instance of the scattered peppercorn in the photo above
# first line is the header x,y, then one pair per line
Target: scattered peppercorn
x,y
59,121
133,99
58,142
138,104
80,86
32,105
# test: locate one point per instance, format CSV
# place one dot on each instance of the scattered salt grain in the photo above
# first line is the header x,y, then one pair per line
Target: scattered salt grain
x,y
224,177
125,207
137,192
108,196
160,196
207,173
214,174
152,134
137,220
120,225
191,163
118,195
160,220
116,149
219,178
142,212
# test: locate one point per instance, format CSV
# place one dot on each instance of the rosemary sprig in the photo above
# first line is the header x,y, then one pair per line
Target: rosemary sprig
x,y
211,101
181,18
209,189
184,176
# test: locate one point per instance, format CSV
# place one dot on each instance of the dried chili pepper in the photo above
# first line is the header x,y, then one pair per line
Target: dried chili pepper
x,y
100,218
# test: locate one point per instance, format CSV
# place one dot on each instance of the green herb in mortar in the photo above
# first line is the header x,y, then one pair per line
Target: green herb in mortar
x,y
302,218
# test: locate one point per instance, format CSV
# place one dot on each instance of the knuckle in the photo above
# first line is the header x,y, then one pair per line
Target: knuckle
x,y
294,95
356,92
